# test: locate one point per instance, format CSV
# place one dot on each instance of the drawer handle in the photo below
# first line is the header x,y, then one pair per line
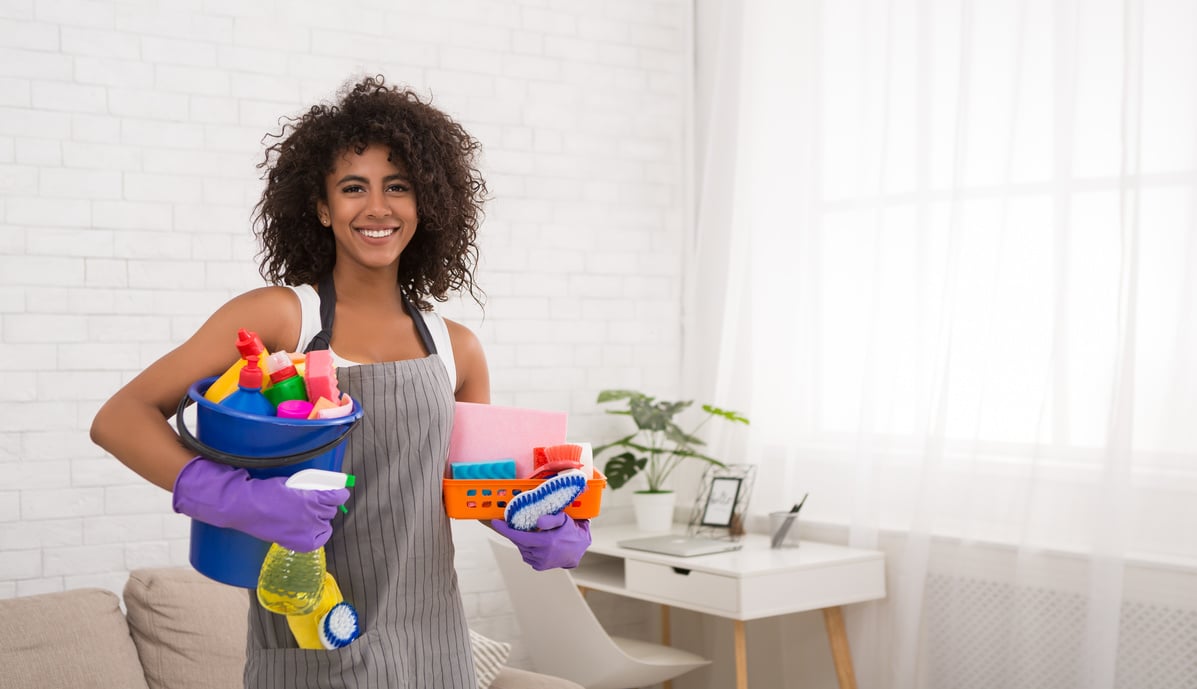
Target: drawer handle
x,y
681,570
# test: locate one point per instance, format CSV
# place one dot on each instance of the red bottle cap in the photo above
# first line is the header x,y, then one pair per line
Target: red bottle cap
x,y
249,343
251,375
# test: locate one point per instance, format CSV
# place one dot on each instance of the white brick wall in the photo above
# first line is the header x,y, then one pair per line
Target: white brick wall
x,y
128,138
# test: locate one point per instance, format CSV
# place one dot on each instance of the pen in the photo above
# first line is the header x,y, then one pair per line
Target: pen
x,y
782,530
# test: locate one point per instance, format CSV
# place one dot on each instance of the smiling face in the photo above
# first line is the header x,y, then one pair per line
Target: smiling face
x,y
370,206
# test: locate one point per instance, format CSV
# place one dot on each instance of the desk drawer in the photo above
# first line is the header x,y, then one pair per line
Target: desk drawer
x,y
682,585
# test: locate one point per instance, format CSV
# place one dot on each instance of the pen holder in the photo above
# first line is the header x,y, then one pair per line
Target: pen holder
x,y
783,530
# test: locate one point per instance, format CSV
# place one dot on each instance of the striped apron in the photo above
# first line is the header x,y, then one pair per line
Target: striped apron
x,y
392,554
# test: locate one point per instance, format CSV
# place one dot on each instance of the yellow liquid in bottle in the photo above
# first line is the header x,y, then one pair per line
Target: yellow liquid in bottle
x,y
291,583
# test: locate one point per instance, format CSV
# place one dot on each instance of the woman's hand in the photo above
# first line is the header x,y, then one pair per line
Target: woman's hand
x,y
559,541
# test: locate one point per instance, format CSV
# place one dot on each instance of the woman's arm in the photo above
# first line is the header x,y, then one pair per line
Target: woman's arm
x,y
133,425
473,375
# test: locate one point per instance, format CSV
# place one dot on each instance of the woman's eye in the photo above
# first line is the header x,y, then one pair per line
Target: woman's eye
x,y
351,189
397,187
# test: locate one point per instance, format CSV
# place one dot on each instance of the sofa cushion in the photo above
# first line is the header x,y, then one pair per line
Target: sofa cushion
x,y
190,630
75,638
512,678
489,656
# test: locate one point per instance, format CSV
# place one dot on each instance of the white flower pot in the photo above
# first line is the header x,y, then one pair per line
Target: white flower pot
x,y
654,511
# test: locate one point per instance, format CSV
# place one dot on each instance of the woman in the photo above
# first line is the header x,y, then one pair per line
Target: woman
x,y
371,208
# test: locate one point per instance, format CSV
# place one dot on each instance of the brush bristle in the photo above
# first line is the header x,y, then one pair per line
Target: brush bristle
x,y
339,627
566,452
550,497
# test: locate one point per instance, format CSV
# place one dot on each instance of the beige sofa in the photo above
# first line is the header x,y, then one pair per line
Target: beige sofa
x,y
181,631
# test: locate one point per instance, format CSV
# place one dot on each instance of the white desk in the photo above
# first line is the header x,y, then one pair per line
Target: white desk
x,y
751,583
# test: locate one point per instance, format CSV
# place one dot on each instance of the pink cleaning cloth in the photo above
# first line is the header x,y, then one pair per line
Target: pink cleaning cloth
x,y
486,432
327,409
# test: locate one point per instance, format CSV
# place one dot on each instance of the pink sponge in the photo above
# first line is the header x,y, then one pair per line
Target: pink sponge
x,y
320,376
486,432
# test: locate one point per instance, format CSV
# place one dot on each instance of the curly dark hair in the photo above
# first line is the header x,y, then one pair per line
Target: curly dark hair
x,y
440,159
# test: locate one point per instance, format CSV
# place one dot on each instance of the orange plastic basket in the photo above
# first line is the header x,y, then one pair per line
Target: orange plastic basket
x,y
486,498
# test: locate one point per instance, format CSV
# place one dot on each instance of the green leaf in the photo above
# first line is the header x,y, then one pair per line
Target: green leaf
x,y
623,468
612,395
729,415
625,441
659,443
680,437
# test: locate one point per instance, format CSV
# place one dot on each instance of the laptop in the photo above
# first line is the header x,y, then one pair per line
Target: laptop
x,y
679,545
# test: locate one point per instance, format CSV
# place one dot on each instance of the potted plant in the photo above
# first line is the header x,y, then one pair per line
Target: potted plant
x,y
656,448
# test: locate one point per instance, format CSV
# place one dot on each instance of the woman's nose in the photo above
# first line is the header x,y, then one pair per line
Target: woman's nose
x,y
377,207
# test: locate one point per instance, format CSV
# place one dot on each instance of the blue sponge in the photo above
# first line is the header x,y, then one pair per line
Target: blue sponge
x,y
550,497
499,468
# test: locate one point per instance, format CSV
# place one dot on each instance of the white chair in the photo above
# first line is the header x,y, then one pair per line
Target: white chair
x,y
564,638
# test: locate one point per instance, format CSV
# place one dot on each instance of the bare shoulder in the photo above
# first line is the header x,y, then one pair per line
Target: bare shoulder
x,y
473,375
272,312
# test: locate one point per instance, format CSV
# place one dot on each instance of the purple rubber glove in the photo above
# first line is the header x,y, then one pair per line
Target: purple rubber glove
x,y
559,542
227,497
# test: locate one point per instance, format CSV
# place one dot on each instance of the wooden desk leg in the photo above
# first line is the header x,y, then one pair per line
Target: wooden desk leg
x,y
741,656
665,638
837,634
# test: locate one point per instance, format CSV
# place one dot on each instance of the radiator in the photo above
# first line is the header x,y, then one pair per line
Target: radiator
x,y
984,634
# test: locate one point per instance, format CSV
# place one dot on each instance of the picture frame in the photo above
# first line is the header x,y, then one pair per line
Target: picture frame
x,y
712,516
721,501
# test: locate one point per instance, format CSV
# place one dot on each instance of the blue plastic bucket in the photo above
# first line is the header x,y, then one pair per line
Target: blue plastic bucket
x,y
266,446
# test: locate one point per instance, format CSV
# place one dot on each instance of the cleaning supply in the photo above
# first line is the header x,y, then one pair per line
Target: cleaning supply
x,y
497,469
248,344
285,381
294,409
320,376
320,479
323,409
339,627
557,541
550,497
248,396
552,460
482,432
587,458
299,361
267,447
333,624
291,582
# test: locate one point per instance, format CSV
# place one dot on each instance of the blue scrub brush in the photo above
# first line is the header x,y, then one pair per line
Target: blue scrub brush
x,y
339,627
550,497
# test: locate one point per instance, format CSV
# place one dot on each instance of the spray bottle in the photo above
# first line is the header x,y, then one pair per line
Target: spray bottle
x,y
292,583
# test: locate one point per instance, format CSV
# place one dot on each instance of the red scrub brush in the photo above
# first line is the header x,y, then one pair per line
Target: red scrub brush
x,y
548,461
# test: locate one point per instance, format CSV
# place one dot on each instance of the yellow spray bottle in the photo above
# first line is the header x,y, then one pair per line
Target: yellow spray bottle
x,y
298,585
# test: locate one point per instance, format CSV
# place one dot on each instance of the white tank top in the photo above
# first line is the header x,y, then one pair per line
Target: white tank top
x,y
309,327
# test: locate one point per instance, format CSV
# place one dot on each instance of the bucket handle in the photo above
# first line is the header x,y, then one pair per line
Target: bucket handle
x,y
200,447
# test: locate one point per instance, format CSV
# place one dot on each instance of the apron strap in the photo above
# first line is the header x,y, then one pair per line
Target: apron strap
x,y
421,326
328,309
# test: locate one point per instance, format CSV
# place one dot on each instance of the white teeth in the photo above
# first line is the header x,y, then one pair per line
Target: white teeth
x,y
377,234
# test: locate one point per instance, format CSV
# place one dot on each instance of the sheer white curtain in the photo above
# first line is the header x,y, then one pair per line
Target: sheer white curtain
x,y
944,259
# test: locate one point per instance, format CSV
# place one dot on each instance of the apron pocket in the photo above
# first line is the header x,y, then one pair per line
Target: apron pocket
x,y
286,668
